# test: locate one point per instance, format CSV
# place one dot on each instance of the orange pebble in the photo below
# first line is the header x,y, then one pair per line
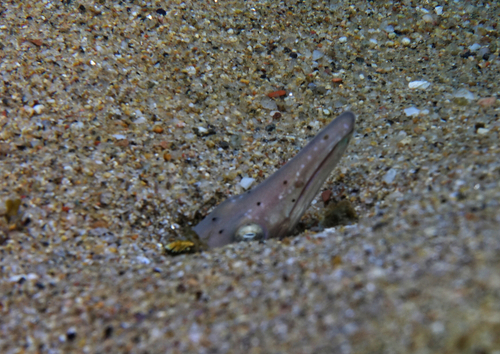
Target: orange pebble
x,y
158,129
277,94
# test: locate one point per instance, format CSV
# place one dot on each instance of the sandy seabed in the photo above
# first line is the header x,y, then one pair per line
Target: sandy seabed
x,y
121,122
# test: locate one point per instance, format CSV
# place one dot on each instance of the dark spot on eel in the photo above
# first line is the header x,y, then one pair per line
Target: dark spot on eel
x,y
258,203
285,182
221,231
326,137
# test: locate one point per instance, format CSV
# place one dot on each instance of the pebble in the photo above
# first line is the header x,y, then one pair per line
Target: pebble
x,y
246,182
316,55
419,85
464,93
411,111
390,176
487,102
140,120
39,108
268,103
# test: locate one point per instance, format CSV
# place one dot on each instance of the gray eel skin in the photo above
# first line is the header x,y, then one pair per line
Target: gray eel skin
x,y
274,207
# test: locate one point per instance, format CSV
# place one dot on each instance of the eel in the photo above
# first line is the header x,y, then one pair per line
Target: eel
x,y
274,207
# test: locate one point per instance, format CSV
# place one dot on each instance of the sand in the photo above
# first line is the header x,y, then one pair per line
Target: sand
x,y
123,123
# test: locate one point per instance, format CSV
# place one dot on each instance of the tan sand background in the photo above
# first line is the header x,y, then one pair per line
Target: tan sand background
x,y
121,122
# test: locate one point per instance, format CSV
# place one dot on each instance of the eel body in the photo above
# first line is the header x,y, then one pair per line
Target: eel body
x,y
274,207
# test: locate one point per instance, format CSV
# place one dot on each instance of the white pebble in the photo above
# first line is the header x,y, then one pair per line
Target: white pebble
x,y
411,111
191,70
405,41
202,130
428,18
464,93
77,125
439,10
246,182
269,103
389,176
437,327
342,39
473,48
420,85
140,120
38,108
317,55
143,260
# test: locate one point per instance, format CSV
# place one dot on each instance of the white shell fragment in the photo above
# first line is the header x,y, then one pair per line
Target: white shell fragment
x,y
246,182
269,103
464,93
317,55
411,111
419,85
389,176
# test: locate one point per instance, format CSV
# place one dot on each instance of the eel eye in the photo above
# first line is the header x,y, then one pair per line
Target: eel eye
x,y
249,232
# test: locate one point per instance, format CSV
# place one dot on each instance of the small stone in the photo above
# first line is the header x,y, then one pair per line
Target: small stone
x,y
201,131
270,127
269,103
246,182
405,141
428,18
235,141
191,70
317,55
326,195
463,93
487,101
419,85
140,120
475,47
411,111
106,198
389,29
158,129
405,41
390,176
122,143
38,108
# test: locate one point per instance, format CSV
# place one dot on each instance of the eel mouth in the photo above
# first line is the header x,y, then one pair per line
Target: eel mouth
x,y
320,174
